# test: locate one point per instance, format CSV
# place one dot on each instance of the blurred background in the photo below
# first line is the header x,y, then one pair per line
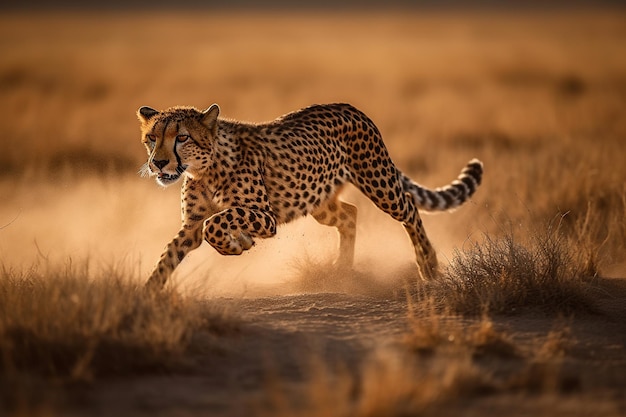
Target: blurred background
x,y
537,90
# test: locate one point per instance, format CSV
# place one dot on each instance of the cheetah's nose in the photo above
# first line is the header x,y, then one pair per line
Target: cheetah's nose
x,y
161,163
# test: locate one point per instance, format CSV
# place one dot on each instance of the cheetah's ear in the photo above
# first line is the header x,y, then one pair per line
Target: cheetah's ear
x,y
146,113
209,118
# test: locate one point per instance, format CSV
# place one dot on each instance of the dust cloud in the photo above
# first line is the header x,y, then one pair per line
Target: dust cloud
x,y
126,222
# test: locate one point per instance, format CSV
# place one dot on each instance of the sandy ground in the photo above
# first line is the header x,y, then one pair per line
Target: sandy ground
x,y
283,338
280,338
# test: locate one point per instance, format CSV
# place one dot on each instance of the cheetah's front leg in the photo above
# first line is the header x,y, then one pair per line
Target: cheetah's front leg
x,y
187,239
231,231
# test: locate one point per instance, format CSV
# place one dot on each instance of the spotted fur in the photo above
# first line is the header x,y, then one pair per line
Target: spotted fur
x,y
241,180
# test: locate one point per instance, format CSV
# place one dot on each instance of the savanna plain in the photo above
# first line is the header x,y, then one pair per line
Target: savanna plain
x,y
527,315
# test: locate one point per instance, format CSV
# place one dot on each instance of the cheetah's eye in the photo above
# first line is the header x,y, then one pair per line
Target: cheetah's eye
x,y
181,138
151,138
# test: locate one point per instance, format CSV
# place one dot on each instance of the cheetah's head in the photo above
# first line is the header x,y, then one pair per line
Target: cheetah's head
x,y
178,141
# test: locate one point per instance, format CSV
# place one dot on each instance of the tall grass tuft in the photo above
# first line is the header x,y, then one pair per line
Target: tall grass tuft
x,y
71,324
549,270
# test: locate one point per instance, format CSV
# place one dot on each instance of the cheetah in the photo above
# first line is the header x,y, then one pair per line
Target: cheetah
x,y
241,180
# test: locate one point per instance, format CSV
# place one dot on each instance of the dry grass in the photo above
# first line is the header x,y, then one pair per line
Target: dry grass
x,y
66,326
390,384
434,333
539,98
459,366
449,358
547,270
314,276
72,324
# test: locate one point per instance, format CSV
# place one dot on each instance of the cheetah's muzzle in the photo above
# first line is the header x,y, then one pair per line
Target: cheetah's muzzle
x,y
164,179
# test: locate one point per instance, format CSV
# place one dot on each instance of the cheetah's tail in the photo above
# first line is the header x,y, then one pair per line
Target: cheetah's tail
x,y
449,196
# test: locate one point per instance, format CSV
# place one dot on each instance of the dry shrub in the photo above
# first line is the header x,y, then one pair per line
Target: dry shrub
x,y
396,385
544,371
547,270
499,365
71,324
314,276
436,333
394,381
390,383
463,362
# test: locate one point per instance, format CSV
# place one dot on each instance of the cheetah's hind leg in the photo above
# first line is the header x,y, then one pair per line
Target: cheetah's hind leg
x,y
342,215
425,255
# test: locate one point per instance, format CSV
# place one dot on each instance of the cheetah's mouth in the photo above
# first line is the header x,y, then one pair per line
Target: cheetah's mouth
x,y
166,179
